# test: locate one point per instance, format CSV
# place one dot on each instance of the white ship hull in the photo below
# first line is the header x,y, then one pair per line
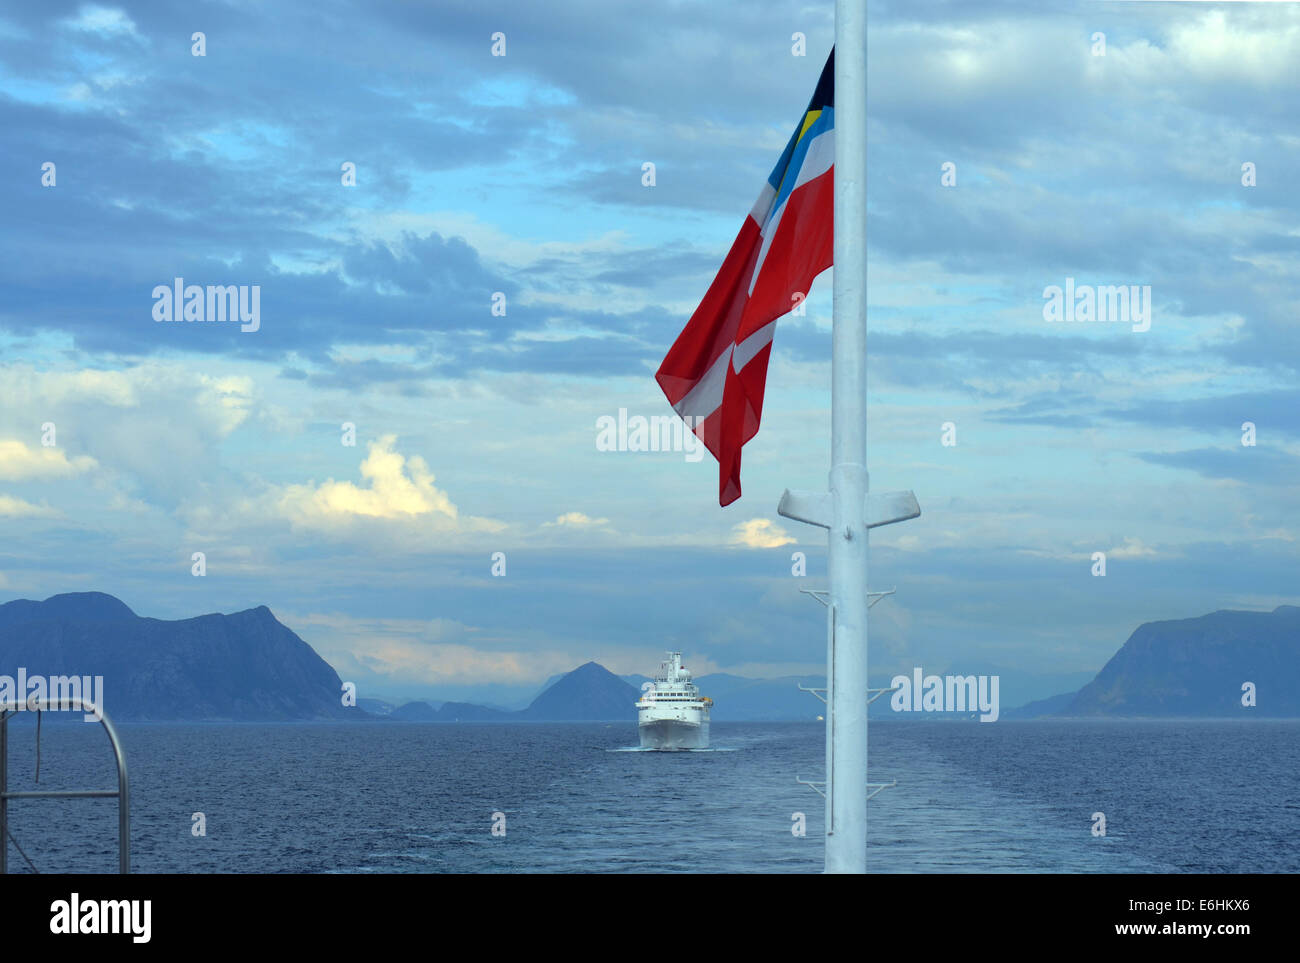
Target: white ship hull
x,y
673,734
671,713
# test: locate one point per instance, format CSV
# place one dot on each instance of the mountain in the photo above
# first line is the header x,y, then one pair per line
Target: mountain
x,y
469,712
634,681
247,666
736,698
243,667
449,712
1196,667
414,712
590,692
1053,705
70,607
742,699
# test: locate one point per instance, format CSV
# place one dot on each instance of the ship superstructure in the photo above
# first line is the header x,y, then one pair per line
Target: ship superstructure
x,y
671,713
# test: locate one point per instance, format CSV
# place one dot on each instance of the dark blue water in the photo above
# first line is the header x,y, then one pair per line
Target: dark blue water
x,y
366,798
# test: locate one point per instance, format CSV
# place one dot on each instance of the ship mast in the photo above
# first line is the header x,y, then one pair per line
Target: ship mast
x,y
847,511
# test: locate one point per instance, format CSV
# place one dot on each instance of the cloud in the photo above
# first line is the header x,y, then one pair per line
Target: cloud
x,y
393,492
760,533
400,488
1217,48
106,21
347,630
442,663
227,400
152,432
576,520
1132,548
446,630
11,507
23,384
378,311
1253,466
20,463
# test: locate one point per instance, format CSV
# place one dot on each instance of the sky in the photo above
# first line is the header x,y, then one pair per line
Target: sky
x,y
1011,146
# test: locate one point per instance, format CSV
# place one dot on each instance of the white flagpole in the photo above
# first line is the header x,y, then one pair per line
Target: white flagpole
x,y
846,839
848,512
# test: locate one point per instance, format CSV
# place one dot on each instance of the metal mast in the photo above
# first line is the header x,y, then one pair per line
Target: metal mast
x,y
847,511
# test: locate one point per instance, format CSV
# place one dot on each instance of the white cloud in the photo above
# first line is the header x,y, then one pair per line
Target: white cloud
x,y
11,507
441,663
106,21
393,492
118,389
1132,548
760,533
353,628
576,520
400,488
228,399
1249,47
21,463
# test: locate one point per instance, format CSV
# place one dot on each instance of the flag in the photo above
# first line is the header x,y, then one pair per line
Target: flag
x,y
716,370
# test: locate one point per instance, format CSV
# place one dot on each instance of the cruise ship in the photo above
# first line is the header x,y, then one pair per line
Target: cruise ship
x,y
671,713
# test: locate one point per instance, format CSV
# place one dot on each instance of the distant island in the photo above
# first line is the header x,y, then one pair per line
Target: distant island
x,y
242,667
590,693
1191,668
248,667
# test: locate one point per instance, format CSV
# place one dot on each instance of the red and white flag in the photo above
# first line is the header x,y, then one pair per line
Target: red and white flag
x,y
716,370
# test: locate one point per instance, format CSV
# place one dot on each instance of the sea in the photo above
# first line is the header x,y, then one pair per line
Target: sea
x,y
379,797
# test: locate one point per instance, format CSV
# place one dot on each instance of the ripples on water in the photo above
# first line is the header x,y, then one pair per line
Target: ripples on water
x,y
419,798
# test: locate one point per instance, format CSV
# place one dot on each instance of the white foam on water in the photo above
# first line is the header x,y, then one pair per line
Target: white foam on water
x,y
650,749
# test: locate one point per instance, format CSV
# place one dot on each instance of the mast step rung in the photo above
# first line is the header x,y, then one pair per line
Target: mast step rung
x,y
814,691
876,787
824,597
877,693
821,595
874,693
814,785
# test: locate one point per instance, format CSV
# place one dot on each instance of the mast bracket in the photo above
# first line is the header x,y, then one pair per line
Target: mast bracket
x,y
814,691
824,597
874,694
876,787
818,508
815,786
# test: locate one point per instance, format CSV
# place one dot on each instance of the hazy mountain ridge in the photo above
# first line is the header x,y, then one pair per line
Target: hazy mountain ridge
x,y
590,693
1194,668
246,666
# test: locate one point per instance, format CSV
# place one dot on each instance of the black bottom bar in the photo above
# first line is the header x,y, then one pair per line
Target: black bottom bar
x,y
979,914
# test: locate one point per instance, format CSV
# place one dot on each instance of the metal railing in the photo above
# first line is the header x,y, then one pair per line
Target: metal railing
x,y
122,793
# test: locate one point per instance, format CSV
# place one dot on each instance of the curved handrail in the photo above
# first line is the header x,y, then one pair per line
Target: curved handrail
x,y
123,792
